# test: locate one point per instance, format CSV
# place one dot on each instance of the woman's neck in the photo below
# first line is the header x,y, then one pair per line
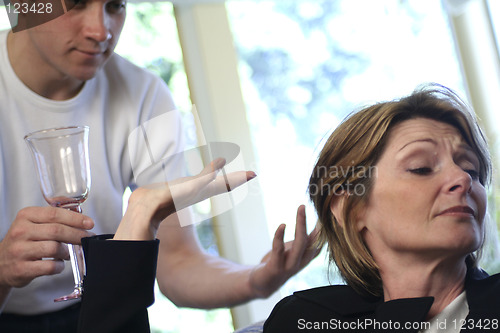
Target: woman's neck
x,y
442,280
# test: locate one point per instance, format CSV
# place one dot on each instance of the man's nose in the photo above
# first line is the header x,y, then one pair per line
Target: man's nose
x,y
96,24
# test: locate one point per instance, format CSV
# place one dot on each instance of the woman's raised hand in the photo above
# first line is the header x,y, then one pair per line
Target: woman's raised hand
x,y
149,205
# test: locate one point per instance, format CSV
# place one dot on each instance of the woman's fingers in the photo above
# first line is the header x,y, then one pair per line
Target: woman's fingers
x,y
213,167
190,190
149,205
230,181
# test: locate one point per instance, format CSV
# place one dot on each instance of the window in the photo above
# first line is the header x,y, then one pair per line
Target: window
x,y
150,40
494,10
305,64
4,19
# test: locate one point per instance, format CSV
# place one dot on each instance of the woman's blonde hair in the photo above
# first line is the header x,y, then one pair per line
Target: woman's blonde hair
x,y
347,163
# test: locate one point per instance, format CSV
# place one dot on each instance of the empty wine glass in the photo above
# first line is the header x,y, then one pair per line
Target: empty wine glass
x,y
62,163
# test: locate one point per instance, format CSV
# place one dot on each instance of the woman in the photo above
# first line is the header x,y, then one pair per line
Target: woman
x,y
120,273
400,193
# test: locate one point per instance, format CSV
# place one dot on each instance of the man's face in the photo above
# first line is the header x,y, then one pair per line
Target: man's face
x,y
78,43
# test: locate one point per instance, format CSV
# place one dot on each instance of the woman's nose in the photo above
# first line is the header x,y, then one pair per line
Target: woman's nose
x,y
460,180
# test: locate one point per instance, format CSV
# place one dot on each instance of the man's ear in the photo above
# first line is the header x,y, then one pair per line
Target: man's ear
x,y
337,207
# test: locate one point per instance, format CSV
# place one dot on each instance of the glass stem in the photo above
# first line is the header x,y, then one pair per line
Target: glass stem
x,y
76,253
77,264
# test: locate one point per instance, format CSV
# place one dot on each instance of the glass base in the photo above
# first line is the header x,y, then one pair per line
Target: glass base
x,y
76,294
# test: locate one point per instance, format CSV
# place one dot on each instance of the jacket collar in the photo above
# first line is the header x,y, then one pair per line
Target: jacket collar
x,y
482,290
341,299
350,304
346,302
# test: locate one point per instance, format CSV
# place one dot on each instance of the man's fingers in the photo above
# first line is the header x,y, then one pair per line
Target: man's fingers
x,y
37,250
58,232
301,240
312,249
51,224
24,272
278,248
57,215
47,267
300,220
313,237
48,249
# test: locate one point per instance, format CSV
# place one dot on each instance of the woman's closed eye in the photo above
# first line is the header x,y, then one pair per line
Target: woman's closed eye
x,y
422,171
473,173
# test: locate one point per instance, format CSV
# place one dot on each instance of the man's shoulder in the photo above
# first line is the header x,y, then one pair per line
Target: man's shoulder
x,y
119,69
121,77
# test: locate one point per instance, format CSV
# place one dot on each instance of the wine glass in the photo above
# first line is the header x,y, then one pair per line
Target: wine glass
x,y
62,163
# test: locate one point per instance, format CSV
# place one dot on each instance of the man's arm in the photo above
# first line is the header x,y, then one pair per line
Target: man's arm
x,y
190,277
186,274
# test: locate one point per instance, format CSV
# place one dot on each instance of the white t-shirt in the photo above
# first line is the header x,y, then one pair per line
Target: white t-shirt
x,y
121,97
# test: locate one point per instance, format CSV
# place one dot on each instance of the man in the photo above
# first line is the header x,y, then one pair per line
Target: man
x,y
64,72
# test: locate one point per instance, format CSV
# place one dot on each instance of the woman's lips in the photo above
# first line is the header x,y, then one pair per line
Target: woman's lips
x,y
458,210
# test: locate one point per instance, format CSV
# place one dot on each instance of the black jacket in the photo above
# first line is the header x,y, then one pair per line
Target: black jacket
x,y
341,309
118,285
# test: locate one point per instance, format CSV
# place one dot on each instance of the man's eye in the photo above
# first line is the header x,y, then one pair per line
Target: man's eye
x,y
421,171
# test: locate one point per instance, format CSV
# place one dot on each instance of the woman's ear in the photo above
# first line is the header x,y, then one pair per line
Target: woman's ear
x,y
337,207
360,219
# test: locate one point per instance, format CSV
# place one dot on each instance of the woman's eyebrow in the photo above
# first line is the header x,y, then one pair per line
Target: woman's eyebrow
x,y
466,147
418,140
469,153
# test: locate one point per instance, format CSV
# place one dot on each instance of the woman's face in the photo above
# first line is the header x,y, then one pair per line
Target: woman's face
x,y
426,199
